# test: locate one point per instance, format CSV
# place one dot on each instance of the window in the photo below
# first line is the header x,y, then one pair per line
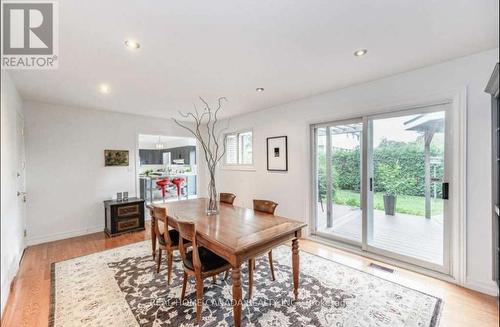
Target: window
x,y
239,149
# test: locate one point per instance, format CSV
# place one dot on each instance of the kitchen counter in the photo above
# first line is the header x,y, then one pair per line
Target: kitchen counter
x,y
154,177
148,186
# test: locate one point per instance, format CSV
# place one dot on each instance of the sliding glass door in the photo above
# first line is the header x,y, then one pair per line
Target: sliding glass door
x,y
407,175
381,184
338,174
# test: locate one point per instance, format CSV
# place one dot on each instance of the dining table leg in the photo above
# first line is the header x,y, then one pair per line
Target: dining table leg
x,y
153,236
295,264
236,279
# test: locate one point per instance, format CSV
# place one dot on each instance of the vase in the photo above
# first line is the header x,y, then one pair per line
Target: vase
x,y
213,197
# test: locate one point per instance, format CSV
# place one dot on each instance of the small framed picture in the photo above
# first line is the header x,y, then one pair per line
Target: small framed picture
x,y
115,158
277,153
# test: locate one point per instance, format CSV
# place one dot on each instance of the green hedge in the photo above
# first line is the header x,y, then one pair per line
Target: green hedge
x,y
398,168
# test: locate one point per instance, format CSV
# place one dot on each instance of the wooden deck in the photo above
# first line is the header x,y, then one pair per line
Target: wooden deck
x,y
410,235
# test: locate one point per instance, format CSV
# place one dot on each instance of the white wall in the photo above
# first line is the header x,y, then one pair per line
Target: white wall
x,y
12,220
149,142
66,179
292,189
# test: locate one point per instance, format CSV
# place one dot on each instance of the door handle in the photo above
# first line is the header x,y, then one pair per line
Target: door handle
x,y
445,190
371,184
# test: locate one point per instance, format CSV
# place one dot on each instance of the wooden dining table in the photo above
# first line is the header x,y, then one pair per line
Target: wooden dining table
x,y
237,234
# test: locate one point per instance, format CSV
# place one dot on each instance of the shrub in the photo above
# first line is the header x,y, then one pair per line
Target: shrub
x,y
398,168
352,202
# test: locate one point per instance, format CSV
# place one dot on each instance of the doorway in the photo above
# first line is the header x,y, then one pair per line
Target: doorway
x,y
167,168
381,184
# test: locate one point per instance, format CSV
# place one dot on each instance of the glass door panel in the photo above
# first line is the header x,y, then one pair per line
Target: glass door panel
x,y
338,181
407,160
346,212
320,205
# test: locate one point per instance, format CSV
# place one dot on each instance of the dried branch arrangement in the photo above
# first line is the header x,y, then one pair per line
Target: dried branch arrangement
x,y
207,131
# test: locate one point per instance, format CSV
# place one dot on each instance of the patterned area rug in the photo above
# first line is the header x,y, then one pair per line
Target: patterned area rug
x,y
120,287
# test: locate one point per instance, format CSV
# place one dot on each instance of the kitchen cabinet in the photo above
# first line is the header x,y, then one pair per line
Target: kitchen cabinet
x,y
155,157
151,157
188,153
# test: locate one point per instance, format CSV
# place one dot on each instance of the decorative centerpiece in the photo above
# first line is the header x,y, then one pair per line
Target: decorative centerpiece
x,y
208,133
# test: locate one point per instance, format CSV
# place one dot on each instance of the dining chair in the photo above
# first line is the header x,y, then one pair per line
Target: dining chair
x,y
198,262
269,207
168,240
266,207
227,198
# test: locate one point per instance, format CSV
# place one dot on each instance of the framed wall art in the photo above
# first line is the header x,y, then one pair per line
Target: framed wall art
x,y
277,153
115,158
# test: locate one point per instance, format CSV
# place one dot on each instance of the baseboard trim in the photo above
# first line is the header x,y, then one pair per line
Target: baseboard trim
x,y
486,288
482,287
9,282
383,259
60,236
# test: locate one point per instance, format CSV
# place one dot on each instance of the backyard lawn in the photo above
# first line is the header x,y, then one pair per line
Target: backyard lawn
x,y
413,205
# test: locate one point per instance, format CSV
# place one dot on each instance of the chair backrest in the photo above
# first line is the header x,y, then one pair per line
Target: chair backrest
x,y
227,198
187,231
160,214
265,206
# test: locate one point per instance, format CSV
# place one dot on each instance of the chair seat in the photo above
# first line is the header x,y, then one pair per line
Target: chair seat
x,y
174,237
209,260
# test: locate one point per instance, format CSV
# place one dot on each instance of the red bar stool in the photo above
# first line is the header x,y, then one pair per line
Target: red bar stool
x,y
162,185
178,183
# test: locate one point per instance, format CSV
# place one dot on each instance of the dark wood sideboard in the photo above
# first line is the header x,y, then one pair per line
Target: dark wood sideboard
x,y
123,216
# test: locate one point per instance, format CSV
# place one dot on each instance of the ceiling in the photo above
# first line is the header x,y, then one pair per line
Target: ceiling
x,y
229,48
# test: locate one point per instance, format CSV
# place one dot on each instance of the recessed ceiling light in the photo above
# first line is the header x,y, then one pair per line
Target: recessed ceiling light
x,y
131,44
259,89
104,88
360,52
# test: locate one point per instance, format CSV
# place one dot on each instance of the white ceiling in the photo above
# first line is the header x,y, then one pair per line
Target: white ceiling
x,y
215,48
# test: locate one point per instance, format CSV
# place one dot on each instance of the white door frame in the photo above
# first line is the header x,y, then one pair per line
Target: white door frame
x,y
21,171
329,202
458,100
448,176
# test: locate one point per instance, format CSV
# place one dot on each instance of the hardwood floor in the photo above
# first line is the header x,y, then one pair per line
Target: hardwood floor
x,y
28,303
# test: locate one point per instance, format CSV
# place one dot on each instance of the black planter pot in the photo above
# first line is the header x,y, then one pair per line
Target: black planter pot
x,y
389,204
